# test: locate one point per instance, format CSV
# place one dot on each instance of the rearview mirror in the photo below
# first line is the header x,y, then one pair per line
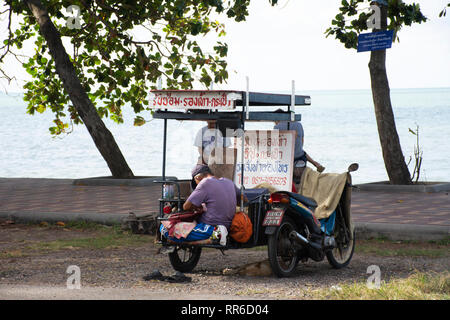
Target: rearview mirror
x,y
353,167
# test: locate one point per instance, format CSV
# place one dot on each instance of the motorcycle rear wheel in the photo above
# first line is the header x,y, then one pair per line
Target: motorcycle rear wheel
x,y
185,259
283,256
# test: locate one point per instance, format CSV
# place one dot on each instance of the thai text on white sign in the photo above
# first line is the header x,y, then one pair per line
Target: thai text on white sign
x,y
172,99
268,158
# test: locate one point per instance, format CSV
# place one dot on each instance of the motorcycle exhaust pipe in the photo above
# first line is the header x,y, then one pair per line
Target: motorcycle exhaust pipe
x,y
294,235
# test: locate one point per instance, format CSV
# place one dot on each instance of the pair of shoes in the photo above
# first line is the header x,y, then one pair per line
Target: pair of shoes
x,y
178,277
155,275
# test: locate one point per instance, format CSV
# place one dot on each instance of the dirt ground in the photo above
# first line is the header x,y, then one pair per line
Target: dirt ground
x,y
33,257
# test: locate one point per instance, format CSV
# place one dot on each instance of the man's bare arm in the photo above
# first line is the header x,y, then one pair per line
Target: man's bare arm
x,y
189,206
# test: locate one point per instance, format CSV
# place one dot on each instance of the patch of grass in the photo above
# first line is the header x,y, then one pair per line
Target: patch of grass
x,y
443,242
418,286
81,225
387,248
253,291
106,241
12,254
89,226
98,237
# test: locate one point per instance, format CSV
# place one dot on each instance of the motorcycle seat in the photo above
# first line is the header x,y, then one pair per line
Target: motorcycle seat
x,y
309,202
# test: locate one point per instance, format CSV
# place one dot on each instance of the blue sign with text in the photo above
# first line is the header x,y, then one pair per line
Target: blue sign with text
x,y
375,40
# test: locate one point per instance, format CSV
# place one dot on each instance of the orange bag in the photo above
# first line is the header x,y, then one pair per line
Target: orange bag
x,y
241,227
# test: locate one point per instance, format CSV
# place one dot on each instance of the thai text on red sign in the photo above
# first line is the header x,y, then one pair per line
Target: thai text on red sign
x,y
218,100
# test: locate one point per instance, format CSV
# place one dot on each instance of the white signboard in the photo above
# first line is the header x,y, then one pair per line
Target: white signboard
x,y
268,158
213,99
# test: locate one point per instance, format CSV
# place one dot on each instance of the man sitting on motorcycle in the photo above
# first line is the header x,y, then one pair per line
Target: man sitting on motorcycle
x,y
217,198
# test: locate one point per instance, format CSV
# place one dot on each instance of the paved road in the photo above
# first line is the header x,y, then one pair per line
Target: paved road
x,y
25,292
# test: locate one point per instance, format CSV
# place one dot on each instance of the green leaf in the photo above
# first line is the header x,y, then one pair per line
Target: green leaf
x,y
139,121
413,132
41,108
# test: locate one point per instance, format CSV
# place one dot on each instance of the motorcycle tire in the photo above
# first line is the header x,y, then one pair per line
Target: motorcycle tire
x,y
283,256
187,261
340,257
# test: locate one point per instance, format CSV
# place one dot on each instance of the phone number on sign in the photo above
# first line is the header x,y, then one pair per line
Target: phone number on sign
x,y
279,181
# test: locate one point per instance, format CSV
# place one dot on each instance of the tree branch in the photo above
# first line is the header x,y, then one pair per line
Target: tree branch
x,y
9,34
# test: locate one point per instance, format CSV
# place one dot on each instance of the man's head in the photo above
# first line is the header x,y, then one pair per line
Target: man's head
x,y
200,172
211,124
279,110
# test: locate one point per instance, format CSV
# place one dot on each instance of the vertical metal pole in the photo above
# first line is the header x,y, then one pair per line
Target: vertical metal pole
x,y
247,104
161,204
164,145
247,99
164,150
293,101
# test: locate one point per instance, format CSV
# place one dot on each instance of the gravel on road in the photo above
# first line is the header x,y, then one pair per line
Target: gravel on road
x,y
30,268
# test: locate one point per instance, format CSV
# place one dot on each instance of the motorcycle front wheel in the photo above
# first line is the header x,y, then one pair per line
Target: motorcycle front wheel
x,y
184,259
340,256
283,256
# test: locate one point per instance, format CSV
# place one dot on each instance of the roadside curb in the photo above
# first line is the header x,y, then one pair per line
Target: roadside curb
x,y
364,230
383,186
27,217
386,187
110,181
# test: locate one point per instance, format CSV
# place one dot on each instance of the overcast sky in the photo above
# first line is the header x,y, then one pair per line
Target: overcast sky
x,y
287,42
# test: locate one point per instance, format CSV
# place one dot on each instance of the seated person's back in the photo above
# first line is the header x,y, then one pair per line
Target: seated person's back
x,y
220,198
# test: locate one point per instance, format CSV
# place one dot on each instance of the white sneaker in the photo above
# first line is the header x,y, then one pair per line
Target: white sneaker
x,y
223,235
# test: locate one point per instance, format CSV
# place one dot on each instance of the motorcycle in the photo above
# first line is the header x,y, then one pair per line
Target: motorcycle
x,y
285,222
298,235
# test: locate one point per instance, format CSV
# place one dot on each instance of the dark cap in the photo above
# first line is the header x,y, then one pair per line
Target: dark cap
x,y
200,168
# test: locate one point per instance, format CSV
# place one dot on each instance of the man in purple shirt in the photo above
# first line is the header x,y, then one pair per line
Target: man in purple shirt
x,y
218,198
218,195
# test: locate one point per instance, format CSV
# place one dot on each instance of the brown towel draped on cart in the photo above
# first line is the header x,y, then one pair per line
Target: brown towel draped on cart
x,y
324,188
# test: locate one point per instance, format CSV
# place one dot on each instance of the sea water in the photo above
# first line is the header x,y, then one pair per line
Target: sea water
x,y
340,128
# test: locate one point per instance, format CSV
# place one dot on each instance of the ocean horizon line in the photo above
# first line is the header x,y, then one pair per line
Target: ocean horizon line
x,y
289,91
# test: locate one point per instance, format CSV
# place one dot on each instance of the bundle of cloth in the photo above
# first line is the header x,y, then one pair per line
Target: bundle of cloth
x,y
326,189
183,228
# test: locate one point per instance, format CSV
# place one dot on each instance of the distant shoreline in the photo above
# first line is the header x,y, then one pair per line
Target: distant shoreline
x,y
299,90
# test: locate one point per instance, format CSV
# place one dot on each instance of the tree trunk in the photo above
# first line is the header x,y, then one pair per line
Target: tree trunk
x,y
102,137
394,160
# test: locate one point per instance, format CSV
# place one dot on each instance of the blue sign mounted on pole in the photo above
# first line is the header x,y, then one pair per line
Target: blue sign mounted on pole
x,y
383,2
375,40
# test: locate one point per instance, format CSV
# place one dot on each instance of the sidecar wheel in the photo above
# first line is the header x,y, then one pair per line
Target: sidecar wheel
x,y
283,256
185,259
